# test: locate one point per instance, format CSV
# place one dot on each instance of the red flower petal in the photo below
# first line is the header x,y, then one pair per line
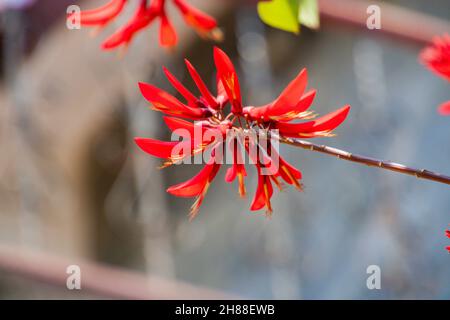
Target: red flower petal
x,y
165,102
156,148
229,78
282,113
173,151
176,124
437,56
200,21
197,186
102,15
289,173
142,18
297,112
167,33
278,167
264,192
259,156
293,92
201,85
222,97
320,127
190,98
193,131
444,109
237,168
447,232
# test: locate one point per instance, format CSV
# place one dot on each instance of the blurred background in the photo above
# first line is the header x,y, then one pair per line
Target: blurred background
x,y
74,189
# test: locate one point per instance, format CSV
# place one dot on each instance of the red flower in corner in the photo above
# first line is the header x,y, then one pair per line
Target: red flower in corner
x,y
437,58
147,12
444,108
226,125
447,232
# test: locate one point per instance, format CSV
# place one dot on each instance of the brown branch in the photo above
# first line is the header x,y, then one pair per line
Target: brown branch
x,y
371,162
396,21
99,279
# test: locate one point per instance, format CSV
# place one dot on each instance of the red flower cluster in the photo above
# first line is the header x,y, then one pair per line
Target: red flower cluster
x,y
437,58
447,232
215,121
147,12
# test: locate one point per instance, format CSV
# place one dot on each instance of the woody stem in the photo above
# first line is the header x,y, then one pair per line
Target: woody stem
x,y
371,162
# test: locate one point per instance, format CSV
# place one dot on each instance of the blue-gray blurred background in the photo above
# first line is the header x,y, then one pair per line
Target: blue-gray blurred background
x,y
74,186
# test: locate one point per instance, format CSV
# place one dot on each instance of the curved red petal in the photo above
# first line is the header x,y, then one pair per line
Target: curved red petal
x,y
319,127
237,168
196,18
196,185
175,124
231,174
102,15
289,173
156,148
437,56
227,74
264,192
142,18
444,108
191,130
191,99
293,92
166,103
282,113
154,94
290,113
167,33
201,85
222,97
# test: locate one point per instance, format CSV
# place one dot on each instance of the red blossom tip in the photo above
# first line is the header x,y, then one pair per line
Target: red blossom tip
x,y
316,128
102,15
227,74
201,85
263,194
444,108
156,148
167,34
168,104
190,98
205,25
437,56
124,35
293,92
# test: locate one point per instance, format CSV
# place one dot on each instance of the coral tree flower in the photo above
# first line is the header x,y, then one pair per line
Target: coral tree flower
x,y
147,12
437,58
447,232
216,116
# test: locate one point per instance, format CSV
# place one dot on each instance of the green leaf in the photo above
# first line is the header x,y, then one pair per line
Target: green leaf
x,y
280,14
308,14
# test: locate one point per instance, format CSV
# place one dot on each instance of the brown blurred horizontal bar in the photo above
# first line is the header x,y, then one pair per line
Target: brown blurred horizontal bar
x,y
395,20
102,280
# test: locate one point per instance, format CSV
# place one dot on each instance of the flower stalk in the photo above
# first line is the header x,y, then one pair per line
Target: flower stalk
x,y
371,162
